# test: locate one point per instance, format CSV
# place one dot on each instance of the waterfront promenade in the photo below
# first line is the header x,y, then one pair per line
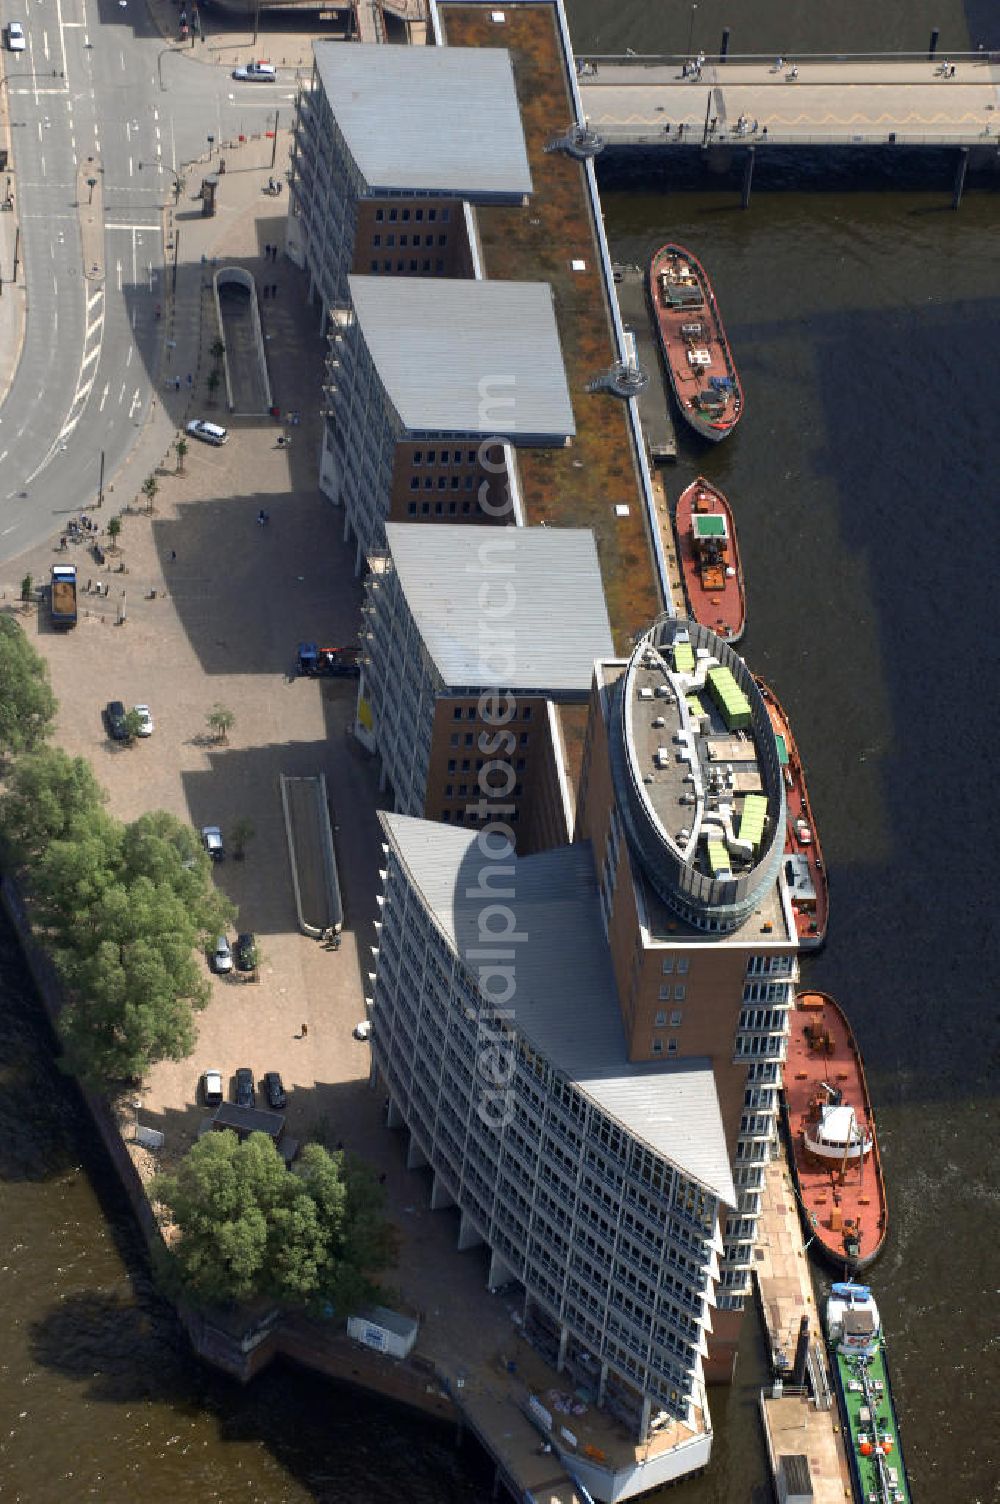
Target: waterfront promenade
x,y
796,1423
829,103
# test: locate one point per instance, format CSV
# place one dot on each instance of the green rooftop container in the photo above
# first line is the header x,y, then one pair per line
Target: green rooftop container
x,y
731,700
719,858
683,657
752,820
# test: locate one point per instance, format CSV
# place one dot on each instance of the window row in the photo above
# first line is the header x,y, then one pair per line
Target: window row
x,y
392,215
390,241
401,266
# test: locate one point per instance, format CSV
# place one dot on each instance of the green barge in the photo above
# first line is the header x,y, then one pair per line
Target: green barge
x,y
864,1394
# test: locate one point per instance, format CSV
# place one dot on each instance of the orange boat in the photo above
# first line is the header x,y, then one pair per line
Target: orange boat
x,y
805,870
835,1158
695,348
710,560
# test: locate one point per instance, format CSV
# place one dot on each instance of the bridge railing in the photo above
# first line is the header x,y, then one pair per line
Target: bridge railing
x,y
959,136
767,59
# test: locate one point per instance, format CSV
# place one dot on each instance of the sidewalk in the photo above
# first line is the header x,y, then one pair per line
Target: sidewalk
x,y
12,296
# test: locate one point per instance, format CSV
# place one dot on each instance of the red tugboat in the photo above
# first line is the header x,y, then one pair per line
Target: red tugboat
x,y
805,870
695,348
710,560
835,1158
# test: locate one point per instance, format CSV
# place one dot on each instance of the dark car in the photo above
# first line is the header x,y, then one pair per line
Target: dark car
x,y
114,717
274,1091
245,1095
245,951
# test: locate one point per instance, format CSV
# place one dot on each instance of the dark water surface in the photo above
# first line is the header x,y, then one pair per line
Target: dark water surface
x,y
864,481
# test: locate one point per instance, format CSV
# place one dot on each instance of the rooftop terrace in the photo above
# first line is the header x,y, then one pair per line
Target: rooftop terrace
x,y
583,484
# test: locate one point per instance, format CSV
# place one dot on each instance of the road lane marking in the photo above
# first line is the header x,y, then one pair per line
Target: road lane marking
x,y
104,397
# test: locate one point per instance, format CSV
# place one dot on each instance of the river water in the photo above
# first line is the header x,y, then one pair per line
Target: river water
x,y
864,319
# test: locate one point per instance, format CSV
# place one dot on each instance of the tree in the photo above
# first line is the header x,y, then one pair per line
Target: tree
x,y
27,704
27,585
50,797
249,1228
241,833
217,350
181,448
133,726
213,381
150,486
127,909
221,721
114,532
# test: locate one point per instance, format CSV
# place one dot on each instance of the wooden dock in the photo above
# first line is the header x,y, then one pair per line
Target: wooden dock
x,y
647,103
799,1421
654,401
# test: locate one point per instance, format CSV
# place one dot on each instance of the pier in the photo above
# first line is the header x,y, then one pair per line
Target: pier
x,y
653,401
798,1412
814,102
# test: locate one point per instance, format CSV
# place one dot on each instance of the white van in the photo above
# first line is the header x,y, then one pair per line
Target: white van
x,y
210,433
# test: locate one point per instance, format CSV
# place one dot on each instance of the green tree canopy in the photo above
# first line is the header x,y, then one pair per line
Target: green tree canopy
x,y
27,704
250,1228
50,797
127,908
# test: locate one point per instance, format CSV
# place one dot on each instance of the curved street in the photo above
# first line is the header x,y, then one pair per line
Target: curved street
x,y
104,120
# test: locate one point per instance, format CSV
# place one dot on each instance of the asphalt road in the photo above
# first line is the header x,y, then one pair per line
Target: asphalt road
x,y
96,81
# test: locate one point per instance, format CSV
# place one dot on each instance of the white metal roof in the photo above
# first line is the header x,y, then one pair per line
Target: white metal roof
x,y
467,357
566,1003
429,119
557,622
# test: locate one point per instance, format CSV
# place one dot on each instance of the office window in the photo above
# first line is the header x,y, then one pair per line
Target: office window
x,y
451,765
676,1018
660,1018
665,992
657,1046
387,266
404,240
432,214
457,712
671,1046
413,266
438,508
425,507
406,214
452,508
449,789
392,216
679,992
527,712
414,483
428,240
442,240
390,240
438,266
682,964
412,509
668,965
379,216
418,456
374,268
425,266
418,215
445,216
469,738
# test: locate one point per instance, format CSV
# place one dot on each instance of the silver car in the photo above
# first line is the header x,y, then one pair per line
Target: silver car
x,y
222,956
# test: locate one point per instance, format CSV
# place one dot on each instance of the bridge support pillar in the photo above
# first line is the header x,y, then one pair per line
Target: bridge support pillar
x,y
747,177
960,171
724,45
935,34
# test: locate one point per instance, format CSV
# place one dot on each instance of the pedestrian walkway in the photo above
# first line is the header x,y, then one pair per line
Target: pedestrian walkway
x,y
825,103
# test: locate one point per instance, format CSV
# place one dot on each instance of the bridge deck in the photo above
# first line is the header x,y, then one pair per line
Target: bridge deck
x,y
828,104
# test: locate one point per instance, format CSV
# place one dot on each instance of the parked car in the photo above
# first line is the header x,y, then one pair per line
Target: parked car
x,y
256,73
245,951
145,727
363,1029
211,837
274,1091
245,1095
222,956
16,40
114,717
209,433
211,1084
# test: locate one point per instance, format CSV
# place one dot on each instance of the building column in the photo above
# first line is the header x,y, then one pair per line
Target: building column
x,y
416,1159
393,1116
563,1344
602,1384
500,1273
647,1410
468,1235
441,1197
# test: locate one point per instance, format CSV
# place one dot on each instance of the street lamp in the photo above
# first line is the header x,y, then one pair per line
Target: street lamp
x,y
211,144
691,31
136,1106
91,184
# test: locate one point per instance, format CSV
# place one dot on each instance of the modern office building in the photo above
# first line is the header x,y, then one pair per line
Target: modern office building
x,y
428,383
470,639
682,802
595,1181
390,144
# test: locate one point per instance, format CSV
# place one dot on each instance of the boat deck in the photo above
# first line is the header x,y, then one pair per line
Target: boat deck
x,y
805,869
832,1194
715,597
694,344
870,1423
